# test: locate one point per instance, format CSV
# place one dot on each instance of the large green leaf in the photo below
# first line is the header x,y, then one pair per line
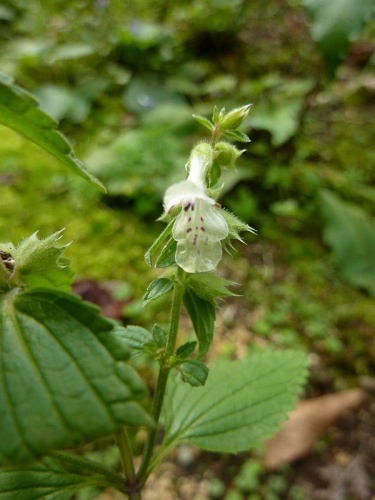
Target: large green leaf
x,y
242,403
63,379
53,479
19,110
351,235
334,25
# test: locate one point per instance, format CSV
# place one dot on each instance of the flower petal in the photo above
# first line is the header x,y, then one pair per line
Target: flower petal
x,y
182,192
198,230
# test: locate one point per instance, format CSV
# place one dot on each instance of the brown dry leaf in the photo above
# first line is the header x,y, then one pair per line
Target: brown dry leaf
x,y
306,423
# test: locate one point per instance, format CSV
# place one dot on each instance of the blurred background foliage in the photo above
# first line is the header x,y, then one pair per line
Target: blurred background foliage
x,y
124,77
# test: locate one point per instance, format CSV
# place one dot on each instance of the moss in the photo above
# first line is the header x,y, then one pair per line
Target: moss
x,y
37,194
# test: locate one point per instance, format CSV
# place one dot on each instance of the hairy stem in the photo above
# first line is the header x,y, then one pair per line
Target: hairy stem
x,y
163,375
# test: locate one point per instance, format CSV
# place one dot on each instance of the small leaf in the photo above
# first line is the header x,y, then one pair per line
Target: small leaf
x,y
19,111
202,315
218,115
209,286
242,404
62,376
193,372
38,263
167,255
158,245
156,289
136,338
185,350
235,135
203,121
159,336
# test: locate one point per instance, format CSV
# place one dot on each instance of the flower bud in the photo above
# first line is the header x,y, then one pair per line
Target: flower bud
x,y
226,154
200,162
234,118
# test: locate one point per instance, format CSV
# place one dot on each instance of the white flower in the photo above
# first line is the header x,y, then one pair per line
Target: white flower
x,y
199,227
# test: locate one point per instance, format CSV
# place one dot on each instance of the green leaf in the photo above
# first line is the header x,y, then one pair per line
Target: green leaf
x,y
136,339
218,115
209,286
235,135
242,404
19,110
202,315
159,336
159,244
51,479
203,121
63,380
351,235
193,372
38,262
156,289
167,255
185,350
334,25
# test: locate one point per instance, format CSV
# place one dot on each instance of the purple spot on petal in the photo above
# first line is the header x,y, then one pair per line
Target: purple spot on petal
x,y
203,229
189,230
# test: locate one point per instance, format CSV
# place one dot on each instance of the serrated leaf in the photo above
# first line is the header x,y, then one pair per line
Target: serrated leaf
x,y
334,25
242,404
38,263
209,286
351,235
19,111
156,289
193,372
62,376
154,251
202,315
48,479
203,121
136,338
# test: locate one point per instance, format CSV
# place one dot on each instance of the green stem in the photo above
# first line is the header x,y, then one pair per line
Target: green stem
x,y
163,375
132,485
